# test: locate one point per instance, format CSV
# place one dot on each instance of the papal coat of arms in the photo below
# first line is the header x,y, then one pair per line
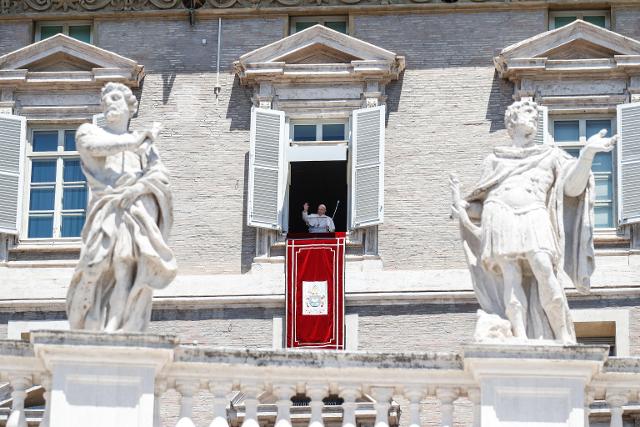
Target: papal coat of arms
x,y
314,298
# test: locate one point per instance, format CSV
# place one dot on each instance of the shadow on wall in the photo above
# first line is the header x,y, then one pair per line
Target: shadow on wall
x,y
393,91
500,98
239,107
248,233
167,85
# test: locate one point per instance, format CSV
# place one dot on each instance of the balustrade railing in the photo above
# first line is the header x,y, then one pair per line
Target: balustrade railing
x,y
253,388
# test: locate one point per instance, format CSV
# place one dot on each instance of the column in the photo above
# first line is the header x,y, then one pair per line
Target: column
x,y
446,396
283,393
382,396
349,396
186,388
19,382
415,396
616,399
220,391
251,391
316,392
46,385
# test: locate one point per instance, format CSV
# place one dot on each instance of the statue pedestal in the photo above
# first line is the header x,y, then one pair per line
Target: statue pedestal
x,y
524,385
99,379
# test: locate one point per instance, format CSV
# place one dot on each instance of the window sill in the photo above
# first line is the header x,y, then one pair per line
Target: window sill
x,y
610,237
71,244
316,143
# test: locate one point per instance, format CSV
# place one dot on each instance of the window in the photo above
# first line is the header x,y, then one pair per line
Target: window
x,y
318,132
595,17
338,23
57,186
79,31
572,135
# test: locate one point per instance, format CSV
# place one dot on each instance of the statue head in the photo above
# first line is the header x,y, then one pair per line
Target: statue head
x,y
521,120
118,103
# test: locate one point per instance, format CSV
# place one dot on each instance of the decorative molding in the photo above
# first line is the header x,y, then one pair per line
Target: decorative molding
x,y
76,64
18,7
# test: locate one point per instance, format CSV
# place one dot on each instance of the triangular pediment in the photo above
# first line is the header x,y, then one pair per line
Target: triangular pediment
x,y
320,39
63,54
587,39
318,54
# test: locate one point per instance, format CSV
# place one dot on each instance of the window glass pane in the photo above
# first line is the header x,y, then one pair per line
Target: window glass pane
x,y
45,140
595,126
566,130
602,162
72,171
603,216
600,21
575,152
47,31
333,132
561,21
304,132
69,140
41,199
340,26
604,188
304,25
40,226
43,170
74,198
72,225
81,32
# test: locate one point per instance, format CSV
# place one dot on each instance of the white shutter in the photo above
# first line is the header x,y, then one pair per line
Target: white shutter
x,y
628,156
367,166
542,135
13,131
266,164
98,120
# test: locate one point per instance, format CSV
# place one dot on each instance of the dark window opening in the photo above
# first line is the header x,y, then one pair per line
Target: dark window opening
x,y
318,183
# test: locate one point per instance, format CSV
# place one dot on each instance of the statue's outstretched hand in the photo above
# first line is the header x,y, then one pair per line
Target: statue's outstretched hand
x,y
459,205
599,143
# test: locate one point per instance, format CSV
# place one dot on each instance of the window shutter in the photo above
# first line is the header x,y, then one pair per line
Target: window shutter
x,y
13,131
542,135
367,166
98,120
628,155
266,165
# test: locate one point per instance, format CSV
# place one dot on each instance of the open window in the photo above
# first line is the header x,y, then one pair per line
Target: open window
x,y
323,173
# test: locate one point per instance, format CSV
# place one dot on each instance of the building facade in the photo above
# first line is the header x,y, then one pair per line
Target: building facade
x,y
265,105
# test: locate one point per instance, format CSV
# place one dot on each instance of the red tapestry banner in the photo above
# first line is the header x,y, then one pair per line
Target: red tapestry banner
x,y
315,291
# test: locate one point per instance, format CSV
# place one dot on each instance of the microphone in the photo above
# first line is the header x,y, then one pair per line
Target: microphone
x,y
336,209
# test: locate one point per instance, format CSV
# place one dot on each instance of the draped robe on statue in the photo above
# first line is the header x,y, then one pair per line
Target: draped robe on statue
x,y
567,232
114,235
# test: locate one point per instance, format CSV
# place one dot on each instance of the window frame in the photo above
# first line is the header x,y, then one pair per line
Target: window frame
x,y
582,132
319,19
579,14
65,28
318,124
60,155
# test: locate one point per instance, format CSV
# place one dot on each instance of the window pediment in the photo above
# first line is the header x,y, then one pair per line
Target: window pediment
x,y
63,60
319,53
577,47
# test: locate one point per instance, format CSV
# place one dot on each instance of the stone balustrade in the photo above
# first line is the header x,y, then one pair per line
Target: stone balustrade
x,y
107,377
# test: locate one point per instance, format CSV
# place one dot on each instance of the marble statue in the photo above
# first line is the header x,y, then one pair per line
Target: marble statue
x,y
527,229
124,254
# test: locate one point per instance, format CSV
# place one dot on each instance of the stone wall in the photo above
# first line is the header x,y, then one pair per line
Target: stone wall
x,y
14,35
445,114
625,21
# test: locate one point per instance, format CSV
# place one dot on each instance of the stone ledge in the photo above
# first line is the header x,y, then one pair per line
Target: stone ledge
x,y
546,351
97,339
320,358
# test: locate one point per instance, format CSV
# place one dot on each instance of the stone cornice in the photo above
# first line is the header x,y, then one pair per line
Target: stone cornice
x,y
40,8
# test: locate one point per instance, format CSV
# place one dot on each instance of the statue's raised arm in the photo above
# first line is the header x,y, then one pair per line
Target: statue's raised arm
x,y
516,253
124,253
